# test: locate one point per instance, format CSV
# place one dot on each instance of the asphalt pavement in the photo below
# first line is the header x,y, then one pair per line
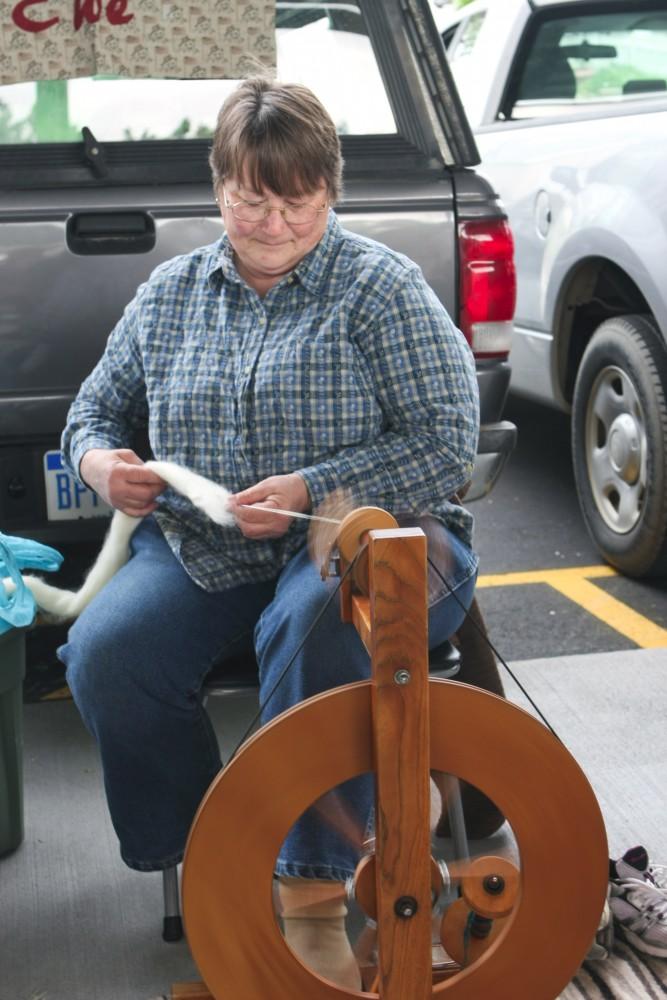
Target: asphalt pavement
x,y
530,524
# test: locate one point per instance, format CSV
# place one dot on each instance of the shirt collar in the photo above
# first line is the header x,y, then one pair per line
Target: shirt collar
x,y
222,267
311,271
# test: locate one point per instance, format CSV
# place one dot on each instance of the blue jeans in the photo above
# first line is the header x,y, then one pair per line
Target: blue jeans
x,y
136,660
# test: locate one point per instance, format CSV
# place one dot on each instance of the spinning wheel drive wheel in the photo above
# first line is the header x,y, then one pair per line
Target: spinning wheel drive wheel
x,y
227,876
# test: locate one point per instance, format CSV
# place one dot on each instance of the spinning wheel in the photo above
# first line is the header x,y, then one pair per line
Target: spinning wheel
x,y
512,935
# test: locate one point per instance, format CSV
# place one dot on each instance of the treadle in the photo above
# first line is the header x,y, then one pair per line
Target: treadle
x,y
443,967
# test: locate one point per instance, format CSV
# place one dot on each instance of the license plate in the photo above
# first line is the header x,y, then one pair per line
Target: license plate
x,y
66,498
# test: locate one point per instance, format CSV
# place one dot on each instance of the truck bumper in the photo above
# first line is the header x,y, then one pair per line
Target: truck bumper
x,y
496,444
497,437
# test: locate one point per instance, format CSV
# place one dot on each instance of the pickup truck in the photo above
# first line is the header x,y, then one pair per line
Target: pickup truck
x,y
568,102
103,178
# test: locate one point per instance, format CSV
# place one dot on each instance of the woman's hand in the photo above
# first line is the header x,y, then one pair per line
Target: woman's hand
x,y
284,492
120,477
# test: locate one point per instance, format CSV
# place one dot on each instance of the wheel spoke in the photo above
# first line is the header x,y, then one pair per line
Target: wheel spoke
x,y
629,504
601,472
608,401
604,478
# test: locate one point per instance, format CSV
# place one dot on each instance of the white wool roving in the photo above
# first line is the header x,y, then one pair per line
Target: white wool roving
x,y
63,605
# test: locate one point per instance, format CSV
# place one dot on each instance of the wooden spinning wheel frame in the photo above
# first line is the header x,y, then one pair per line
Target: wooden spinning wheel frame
x,y
398,725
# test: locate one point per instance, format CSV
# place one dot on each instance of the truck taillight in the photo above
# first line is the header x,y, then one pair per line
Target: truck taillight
x,y
487,286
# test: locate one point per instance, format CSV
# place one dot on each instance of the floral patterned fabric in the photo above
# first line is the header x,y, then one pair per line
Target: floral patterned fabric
x,y
58,39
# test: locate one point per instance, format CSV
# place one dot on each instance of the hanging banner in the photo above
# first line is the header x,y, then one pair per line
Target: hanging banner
x,y
63,39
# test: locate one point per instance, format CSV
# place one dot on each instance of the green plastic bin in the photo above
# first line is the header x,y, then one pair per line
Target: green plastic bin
x,y
12,672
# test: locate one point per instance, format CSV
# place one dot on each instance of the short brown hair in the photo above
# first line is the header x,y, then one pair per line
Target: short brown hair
x,y
277,136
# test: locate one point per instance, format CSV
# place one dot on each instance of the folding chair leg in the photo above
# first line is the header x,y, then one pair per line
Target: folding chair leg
x,y
172,928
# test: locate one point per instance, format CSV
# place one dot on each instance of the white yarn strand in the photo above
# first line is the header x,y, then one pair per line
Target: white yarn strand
x,y
291,513
58,605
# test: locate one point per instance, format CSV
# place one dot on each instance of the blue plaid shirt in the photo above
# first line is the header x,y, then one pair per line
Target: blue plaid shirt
x,y
348,371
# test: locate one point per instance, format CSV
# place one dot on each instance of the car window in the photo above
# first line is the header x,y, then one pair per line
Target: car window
x,y
602,58
460,40
322,45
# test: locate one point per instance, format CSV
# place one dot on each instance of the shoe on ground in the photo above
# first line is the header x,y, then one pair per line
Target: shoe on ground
x,y
639,903
635,864
603,941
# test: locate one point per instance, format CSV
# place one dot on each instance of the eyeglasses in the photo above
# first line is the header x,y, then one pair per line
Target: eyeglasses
x,y
256,211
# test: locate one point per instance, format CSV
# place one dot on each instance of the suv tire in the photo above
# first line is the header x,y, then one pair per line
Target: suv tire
x,y
619,429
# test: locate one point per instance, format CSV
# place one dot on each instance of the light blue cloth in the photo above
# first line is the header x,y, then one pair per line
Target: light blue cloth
x,y
18,610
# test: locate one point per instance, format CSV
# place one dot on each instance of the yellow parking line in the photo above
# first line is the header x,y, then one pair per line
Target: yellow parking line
x,y
574,583
544,575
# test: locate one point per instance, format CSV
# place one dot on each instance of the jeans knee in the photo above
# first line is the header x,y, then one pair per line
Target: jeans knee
x,y
329,655
94,664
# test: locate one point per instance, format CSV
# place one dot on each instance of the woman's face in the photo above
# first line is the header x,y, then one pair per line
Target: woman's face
x,y
271,247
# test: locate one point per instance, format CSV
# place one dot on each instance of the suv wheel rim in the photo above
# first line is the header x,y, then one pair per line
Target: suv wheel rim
x,y
615,441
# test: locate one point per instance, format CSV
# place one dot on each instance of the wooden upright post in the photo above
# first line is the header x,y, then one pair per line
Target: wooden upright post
x,y
399,661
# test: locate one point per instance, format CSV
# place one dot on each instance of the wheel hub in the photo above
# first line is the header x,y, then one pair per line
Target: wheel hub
x,y
625,448
615,442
